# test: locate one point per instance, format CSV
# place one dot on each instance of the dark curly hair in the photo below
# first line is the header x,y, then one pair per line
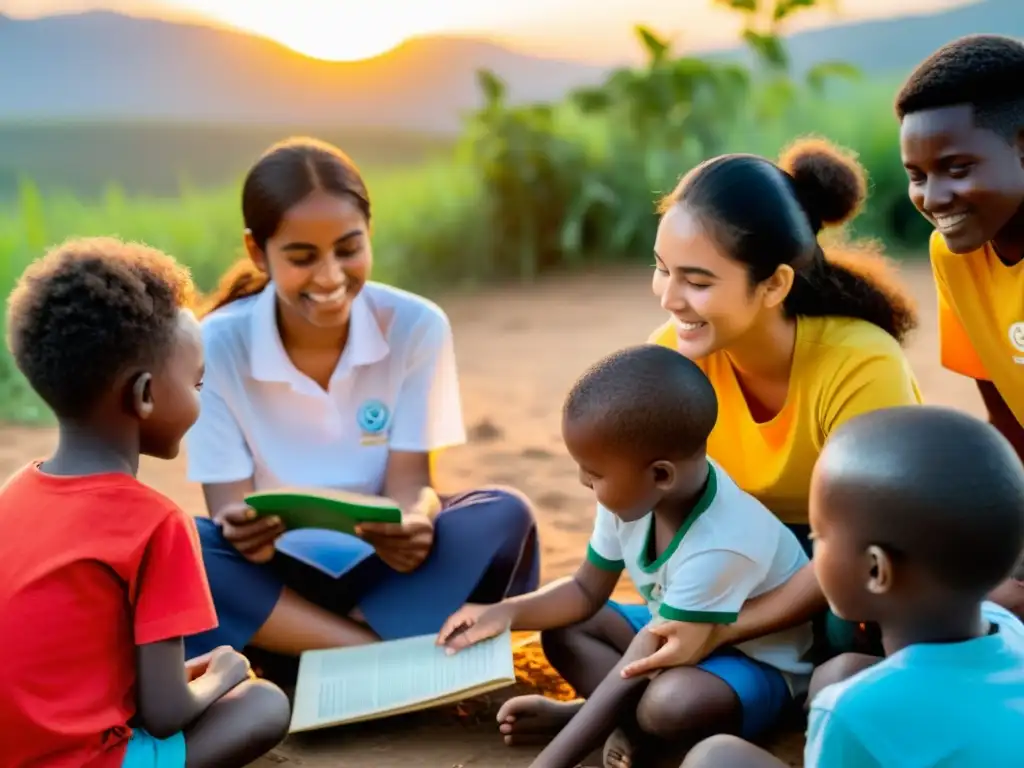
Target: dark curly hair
x,y
284,175
87,311
764,215
647,401
984,71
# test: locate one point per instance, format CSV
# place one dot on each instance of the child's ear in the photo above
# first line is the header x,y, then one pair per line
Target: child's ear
x,y
256,254
142,395
880,574
664,473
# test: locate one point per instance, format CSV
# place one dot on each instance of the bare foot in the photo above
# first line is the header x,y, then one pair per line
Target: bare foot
x,y
619,750
524,718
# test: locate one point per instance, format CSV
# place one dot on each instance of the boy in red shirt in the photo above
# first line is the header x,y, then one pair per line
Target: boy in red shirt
x,y
100,576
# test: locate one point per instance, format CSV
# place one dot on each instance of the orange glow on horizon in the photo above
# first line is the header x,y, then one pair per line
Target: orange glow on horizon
x,y
331,30
348,30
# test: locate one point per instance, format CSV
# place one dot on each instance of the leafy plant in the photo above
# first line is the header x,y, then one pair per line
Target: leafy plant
x,y
764,22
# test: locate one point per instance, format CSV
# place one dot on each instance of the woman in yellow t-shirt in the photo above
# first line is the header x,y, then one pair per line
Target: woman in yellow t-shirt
x,y
794,340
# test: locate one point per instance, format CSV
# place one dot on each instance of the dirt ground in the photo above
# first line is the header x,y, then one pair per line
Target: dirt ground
x,y
518,351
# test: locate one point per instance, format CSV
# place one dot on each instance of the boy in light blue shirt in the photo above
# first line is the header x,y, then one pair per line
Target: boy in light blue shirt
x,y
917,514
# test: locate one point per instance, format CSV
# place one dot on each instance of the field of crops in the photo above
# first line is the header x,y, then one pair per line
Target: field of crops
x,y
523,191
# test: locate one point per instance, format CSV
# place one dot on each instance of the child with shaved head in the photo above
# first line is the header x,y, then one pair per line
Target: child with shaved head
x,y
696,547
917,513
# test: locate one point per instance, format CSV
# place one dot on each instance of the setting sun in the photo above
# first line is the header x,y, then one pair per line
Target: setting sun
x,y
341,30
321,43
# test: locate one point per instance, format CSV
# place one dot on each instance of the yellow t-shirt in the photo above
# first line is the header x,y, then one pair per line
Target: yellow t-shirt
x,y
841,368
981,318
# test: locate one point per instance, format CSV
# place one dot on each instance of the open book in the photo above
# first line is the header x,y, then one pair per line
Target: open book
x,y
330,510
367,682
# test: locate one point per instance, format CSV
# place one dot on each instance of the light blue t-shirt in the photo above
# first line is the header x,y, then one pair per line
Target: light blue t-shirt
x,y
951,705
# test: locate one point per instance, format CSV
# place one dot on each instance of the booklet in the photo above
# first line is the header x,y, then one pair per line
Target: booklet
x,y
330,510
320,524
368,682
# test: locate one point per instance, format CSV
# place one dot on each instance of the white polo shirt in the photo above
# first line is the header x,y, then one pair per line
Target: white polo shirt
x,y
729,549
395,388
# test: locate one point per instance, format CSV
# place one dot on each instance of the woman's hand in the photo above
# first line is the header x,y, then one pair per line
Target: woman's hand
x,y
681,644
404,546
252,536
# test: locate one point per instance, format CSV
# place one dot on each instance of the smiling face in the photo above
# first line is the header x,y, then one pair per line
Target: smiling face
x,y
319,259
708,294
967,181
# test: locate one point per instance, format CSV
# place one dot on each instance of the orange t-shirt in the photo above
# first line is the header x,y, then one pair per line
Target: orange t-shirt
x,y
842,367
90,567
981,318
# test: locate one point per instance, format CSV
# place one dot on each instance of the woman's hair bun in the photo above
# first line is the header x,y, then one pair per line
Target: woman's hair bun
x,y
829,181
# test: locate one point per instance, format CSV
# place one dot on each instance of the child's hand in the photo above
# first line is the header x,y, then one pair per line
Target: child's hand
x,y
252,536
196,666
684,644
472,624
229,664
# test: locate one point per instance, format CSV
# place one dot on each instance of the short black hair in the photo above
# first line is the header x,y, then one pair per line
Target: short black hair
x,y
88,310
932,485
983,71
648,400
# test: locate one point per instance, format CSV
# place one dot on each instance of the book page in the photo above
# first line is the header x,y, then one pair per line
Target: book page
x,y
345,685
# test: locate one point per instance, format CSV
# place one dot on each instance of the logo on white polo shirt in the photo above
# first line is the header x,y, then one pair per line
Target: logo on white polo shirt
x,y
1017,340
373,417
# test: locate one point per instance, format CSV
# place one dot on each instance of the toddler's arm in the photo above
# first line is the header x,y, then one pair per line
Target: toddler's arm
x,y
166,702
561,603
600,714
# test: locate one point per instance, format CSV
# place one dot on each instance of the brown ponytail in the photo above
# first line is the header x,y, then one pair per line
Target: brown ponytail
x,y
843,279
242,279
853,280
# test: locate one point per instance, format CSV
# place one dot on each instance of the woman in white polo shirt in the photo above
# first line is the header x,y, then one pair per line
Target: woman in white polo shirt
x,y
316,377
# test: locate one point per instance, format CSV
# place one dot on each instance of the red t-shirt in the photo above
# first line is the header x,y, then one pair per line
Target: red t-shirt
x,y
90,567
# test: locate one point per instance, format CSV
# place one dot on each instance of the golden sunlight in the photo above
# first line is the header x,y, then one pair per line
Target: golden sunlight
x,y
334,30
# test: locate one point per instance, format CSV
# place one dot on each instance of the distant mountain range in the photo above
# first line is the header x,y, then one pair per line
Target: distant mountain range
x,y
104,66
892,47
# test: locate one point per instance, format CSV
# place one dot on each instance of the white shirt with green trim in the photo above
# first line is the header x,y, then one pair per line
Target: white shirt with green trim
x,y
728,550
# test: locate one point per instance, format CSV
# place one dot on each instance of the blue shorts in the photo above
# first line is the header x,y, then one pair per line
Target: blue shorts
x,y
144,751
761,689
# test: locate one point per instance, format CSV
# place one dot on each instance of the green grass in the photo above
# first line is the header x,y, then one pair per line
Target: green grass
x,y
157,158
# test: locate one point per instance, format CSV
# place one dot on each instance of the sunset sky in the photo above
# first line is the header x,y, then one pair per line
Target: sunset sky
x,y
352,29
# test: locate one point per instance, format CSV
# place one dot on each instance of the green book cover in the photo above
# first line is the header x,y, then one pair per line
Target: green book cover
x,y
331,510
